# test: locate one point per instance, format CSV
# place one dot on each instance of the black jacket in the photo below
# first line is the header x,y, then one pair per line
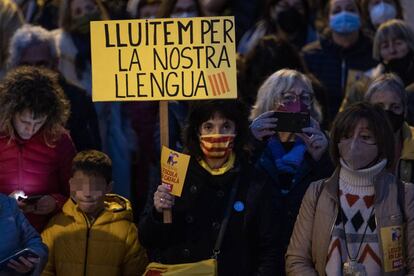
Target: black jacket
x,y
287,197
248,246
82,122
330,63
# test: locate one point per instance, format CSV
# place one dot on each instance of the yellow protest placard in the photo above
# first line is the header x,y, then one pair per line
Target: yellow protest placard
x,y
163,59
174,167
393,245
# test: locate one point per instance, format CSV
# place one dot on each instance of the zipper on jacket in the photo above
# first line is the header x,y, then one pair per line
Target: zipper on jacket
x,y
330,232
343,75
333,222
20,168
85,261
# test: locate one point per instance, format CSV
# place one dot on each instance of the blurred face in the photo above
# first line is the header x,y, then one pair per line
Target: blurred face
x,y
337,6
89,192
218,125
393,48
296,99
286,4
80,8
376,2
38,55
26,124
185,8
388,100
148,11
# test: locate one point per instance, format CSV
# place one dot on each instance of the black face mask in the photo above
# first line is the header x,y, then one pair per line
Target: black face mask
x,y
396,120
403,67
291,21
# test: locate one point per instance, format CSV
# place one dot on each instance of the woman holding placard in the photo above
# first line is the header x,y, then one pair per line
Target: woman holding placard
x,y
223,212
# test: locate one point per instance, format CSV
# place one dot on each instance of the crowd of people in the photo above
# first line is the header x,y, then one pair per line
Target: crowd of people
x,y
80,184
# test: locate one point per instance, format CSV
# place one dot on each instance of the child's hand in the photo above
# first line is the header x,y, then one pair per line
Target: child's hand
x,y
24,265
45,205
163,199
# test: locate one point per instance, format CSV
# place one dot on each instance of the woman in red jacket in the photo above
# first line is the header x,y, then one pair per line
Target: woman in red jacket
x,y
35,150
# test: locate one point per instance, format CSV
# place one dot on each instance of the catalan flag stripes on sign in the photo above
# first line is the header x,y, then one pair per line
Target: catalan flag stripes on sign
x,y
219,84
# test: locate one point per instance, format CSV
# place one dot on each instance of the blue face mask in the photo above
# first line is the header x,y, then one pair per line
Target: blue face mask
x,y
345,22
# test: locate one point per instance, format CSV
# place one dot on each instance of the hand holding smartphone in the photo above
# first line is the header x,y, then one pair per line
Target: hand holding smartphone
x,y
30,200
25,253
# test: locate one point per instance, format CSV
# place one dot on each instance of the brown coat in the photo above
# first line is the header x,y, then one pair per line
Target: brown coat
x,y
308,248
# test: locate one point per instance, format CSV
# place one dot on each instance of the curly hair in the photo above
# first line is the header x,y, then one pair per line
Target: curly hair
x,y
93,162
202,111
37,90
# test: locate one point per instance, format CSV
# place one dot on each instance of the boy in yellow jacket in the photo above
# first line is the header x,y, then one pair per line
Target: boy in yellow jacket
x,y
94,234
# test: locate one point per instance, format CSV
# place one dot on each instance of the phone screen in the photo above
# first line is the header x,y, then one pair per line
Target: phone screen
x,y
292,122
30,200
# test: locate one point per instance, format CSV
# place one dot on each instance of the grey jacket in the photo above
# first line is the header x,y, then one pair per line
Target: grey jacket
x,y
308,248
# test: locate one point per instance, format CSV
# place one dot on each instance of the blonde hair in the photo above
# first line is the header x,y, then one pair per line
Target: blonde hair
x,y
392,29
271,90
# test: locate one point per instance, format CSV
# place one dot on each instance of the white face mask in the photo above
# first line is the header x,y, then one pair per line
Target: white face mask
x,y
382,12
357,155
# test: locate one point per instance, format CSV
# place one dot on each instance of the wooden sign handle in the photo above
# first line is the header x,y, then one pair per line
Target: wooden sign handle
x,y
165,10
164,137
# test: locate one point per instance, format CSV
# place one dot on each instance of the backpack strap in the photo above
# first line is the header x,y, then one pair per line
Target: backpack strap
x,y
400,191
227,214
321,187
401,198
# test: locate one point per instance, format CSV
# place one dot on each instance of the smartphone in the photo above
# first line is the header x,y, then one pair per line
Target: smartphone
x,y
292,122
30,200
26,253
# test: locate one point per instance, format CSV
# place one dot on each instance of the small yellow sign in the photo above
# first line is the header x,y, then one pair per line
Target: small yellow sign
x,y
392,243
164,59
174,167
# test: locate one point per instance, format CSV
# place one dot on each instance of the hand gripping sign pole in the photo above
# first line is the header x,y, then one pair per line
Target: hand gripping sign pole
x,y
165,10
164,133
161,60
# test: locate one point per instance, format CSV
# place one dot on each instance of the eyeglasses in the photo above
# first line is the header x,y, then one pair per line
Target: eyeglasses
x,y
289,97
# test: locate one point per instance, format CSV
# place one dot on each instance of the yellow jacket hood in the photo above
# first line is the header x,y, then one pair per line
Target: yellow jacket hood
x,y
116,208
